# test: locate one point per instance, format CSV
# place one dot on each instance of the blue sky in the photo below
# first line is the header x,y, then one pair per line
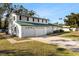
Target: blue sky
x,y
53,11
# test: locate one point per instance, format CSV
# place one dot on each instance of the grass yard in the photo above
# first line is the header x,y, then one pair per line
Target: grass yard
x,y
74,35
19,39
32,48
71,36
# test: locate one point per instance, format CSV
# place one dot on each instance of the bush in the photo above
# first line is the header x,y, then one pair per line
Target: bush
x,y
61,30
12,36
61,49
58,31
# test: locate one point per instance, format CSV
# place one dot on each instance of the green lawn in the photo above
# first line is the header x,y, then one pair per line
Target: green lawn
x,y
32,48
72,35
19,39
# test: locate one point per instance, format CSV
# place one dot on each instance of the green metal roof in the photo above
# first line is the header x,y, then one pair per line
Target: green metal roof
x,y
25,23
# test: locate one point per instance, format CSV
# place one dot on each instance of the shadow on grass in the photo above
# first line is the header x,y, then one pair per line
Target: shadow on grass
x,y
15,53
22,53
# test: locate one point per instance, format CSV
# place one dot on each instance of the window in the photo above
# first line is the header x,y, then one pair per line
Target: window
x,y
27,18
14,17
19,17
46,21
15,29
42,20
33,19
38,20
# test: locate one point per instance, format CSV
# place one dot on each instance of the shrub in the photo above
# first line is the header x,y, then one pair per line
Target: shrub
x,y
58,31
61,49
61,30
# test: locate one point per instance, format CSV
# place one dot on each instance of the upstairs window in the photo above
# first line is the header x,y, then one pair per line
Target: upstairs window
x,y
42,20
27,18
15,29
19,17
38,20
33,19
14,17
46,21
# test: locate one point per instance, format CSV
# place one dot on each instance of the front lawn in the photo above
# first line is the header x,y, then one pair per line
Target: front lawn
x,y
19,39
72,35
31,48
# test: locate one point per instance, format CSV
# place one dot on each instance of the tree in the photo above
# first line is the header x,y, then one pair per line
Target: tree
x,y
31,13
5,8
23,11
8,8
72,20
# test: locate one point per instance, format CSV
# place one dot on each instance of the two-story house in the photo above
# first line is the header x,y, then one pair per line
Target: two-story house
x,y
24,26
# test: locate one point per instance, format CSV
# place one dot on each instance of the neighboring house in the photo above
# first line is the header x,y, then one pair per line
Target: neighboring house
x,y
24,26
68,28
